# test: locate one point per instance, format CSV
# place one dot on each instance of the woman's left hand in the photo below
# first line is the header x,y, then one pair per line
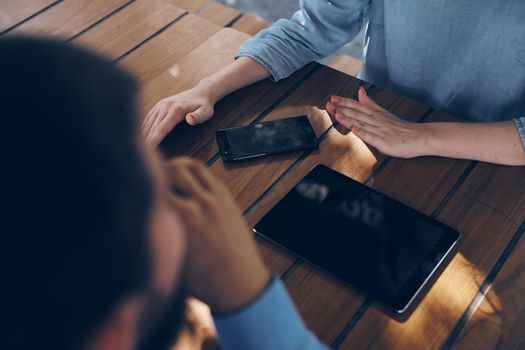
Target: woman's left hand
x,y
378,127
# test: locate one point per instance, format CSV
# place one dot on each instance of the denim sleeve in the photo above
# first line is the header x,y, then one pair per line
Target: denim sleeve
x,y
317,30
268,323
520,124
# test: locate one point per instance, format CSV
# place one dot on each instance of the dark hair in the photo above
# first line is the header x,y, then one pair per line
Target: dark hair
x,y
76,194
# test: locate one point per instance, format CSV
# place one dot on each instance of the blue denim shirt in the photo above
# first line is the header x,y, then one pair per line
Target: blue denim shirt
x,y
464,57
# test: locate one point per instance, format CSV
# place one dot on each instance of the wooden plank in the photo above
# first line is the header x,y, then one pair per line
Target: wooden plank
x,y
13,12
219,14
68,18
160,53
251,24
193,6
486,210
498,321
346,64
129,27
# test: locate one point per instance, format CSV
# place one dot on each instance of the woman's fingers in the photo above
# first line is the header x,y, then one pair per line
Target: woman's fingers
x,y
199,116
341,112
166,123
150,118
350,103
369,137
159,117
367,102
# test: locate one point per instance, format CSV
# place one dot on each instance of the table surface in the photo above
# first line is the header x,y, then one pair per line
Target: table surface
x,y
478,299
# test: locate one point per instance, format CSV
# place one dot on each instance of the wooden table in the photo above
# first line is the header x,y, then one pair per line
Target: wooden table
x,y
477,301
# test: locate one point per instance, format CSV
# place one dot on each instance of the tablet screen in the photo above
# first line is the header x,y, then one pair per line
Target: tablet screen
x,y
376,244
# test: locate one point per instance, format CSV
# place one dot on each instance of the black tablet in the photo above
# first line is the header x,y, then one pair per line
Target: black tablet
x,y
377,245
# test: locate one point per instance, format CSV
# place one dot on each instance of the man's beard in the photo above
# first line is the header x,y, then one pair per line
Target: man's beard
x,y
166,330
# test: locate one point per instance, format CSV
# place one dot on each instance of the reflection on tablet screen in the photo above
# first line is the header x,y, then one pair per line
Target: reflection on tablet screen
x,y
370,241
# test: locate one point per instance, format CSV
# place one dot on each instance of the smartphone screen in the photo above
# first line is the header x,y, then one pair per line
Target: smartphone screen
x,y
272,137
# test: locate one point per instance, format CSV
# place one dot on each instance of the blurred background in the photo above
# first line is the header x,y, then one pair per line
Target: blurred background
x,y
272,10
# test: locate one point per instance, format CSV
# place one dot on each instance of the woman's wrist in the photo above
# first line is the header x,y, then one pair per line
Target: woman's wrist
x,y
430,143
211,89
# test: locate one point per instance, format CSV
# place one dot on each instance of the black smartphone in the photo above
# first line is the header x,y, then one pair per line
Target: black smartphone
x,y
277,136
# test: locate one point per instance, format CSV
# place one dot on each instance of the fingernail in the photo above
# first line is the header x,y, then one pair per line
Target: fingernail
x,y
335,99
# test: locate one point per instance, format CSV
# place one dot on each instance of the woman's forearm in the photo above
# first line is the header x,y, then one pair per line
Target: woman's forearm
x,y
498,143
238,74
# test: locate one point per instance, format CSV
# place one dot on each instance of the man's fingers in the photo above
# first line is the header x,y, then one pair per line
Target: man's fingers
x,y
184,180
184,206
202,175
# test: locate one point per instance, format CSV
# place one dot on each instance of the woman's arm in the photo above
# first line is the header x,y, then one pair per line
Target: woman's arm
x,y
317,30
498,143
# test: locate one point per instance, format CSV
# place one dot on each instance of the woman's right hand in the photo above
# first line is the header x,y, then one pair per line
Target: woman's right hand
x,y
194,105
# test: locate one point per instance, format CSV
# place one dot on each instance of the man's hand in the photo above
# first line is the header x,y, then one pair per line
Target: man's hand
x,y
194,105
223,266
378,127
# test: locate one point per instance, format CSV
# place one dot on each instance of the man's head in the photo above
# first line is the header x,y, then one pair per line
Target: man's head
x,y
90,252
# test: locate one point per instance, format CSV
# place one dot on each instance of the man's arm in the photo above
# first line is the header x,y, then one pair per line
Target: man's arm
x,y
225,270
500,143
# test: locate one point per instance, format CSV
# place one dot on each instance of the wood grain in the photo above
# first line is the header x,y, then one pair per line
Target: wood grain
x,y
251,24
486,210
13,12
69,18
129,27
193,6
498,321
219,14
156,56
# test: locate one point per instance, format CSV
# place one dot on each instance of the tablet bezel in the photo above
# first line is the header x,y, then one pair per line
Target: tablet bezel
x,y
421,275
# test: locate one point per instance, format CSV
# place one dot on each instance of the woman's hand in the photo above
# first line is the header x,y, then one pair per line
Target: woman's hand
x,y
194,105
378,127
